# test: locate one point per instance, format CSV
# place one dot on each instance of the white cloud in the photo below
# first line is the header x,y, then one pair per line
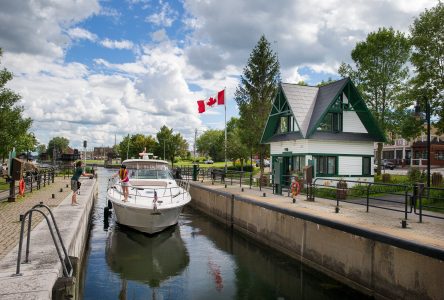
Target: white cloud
x,y
34,27
78,33
159,35
320,34
160,86
122,44
165,17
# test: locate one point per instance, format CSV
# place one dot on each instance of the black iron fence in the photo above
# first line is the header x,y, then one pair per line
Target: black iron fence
x,y
403,198
32,180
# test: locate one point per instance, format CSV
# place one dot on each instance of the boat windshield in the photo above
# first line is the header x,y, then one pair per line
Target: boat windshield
x,y
150,174
148,170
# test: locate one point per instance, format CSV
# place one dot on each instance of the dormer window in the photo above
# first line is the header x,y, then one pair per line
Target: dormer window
x,y
283,124
286,124
332,122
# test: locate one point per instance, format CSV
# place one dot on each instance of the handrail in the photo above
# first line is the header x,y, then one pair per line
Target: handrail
x,y
368,192
65,262
161,192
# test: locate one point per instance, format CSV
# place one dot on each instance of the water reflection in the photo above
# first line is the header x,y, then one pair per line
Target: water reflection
x,y
263,273
197,259
146,259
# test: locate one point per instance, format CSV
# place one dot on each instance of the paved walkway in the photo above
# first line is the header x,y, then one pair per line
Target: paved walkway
x,y
10,211
430,232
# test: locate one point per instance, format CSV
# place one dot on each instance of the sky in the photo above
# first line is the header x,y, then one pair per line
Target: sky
x,y
100,70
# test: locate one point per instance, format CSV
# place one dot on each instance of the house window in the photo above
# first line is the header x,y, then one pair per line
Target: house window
x,y
332,123
439,155
366,167
326,165
284,125
298,163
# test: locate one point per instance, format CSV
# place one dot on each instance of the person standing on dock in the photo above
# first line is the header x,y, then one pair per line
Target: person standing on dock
x,y
75,181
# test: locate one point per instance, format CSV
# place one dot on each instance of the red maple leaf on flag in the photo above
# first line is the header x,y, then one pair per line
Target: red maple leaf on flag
x,y
211,101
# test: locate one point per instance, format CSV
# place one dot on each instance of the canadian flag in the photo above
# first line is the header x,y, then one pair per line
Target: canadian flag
x,y
219,100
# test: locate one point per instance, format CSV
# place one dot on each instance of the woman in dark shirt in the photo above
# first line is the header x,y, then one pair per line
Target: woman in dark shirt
x,y
74,181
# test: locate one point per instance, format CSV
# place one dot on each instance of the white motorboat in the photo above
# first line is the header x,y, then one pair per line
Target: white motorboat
x,y
155,199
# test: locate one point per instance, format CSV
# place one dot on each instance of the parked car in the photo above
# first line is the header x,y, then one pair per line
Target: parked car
x,y
209,161
266,162
385,164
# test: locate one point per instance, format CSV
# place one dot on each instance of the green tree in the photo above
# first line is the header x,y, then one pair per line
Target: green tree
x,y
41,148
131,146
381,74
26,143
236,149
322,83
211,143
255,94
13,127
427,38
170,145
57,146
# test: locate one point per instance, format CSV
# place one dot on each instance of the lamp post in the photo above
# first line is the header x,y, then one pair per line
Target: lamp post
x,y
427,111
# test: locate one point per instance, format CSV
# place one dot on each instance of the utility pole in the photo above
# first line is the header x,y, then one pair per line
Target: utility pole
x,y
194,146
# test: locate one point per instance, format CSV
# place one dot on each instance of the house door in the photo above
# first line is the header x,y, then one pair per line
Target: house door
x,y
286,172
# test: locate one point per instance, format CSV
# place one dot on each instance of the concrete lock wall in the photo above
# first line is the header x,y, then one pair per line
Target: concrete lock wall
x,y
371,266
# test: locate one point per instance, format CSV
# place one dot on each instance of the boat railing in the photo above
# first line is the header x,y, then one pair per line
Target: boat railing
x,y
134,192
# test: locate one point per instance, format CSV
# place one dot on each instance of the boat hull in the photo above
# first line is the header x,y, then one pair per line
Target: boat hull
x,y
145,219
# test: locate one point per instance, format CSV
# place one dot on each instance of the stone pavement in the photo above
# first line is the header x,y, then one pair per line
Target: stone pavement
x,y
10,211
430,232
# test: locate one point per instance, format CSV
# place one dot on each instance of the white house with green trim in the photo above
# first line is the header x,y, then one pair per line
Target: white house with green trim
x,y
329,127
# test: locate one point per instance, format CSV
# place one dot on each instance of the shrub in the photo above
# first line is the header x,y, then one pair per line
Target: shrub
x,y
414,175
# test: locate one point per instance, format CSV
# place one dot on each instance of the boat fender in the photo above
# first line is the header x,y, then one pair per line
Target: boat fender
x,y
295,188
21,187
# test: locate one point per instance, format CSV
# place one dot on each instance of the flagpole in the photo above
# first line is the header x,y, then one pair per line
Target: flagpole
x,y
225,106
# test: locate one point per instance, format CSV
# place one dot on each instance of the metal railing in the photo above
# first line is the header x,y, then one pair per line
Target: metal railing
x,y
430,198
134,192
394,197
66,262
33,181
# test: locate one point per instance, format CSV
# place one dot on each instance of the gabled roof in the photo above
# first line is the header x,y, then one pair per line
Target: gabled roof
x,y
301,100
310,104
326,95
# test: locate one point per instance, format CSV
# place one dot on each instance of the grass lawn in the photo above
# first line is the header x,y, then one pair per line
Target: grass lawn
x,y
4,186
219,164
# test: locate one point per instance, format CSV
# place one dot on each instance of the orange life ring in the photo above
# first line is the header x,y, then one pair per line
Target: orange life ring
x,y
295,188
21,187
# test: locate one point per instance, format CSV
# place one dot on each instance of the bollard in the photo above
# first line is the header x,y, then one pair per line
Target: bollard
x,y
242,189
264,194
53,196
225,186
404,223
61,190
294,200
337,209
66,185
